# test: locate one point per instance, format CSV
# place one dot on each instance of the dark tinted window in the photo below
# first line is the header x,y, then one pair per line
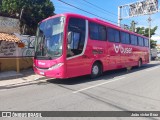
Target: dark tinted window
x,y
117,38
102,32
136,40
110,34
140,41
125,38
113,35
146,43
133,40
93,31
97,32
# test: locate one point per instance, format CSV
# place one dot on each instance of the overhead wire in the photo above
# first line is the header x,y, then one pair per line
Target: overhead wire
x,y
96,6
86,11
98,10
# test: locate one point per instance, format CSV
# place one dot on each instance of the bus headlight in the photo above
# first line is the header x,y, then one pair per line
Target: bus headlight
x,y
56,66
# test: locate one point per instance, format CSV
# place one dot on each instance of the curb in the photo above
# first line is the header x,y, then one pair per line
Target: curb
x,y
24,82
10,75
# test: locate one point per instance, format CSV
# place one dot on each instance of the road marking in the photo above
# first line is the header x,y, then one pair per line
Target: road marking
x,y
99,84
150,69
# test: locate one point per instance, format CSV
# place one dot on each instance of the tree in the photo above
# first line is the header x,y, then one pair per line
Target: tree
x,y
133,26
145,32
31,12
153,43
0,5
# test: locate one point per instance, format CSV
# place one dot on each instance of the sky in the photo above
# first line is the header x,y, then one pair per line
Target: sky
x,y
109,12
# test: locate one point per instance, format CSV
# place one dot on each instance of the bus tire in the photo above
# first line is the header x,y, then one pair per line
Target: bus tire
x,y
139,63
96,70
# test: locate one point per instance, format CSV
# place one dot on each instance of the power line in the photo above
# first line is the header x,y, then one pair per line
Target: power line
x,y
86,11
100,8
95,8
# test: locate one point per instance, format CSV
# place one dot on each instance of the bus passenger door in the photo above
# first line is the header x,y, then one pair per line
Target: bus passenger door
x,y
77,40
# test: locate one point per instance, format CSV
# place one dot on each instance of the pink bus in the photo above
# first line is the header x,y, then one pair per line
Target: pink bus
x,y
70,45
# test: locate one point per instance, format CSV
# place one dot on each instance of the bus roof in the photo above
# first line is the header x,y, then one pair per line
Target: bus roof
x,y
94,20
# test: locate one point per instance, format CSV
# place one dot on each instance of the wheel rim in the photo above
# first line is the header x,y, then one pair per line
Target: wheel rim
x,y
95,70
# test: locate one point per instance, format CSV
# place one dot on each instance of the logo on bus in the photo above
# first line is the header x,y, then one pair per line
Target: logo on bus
x,y
41,63
121,49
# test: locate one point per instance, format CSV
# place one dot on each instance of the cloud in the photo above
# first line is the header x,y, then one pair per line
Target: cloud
x,y
156,38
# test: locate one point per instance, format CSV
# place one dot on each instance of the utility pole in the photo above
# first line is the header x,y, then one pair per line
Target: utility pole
x,y
149,32
119,16
139,8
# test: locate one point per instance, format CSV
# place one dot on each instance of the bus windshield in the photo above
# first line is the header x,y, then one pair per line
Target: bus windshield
x,y
49,39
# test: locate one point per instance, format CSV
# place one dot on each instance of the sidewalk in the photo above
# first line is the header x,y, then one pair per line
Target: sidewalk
x,y
11,78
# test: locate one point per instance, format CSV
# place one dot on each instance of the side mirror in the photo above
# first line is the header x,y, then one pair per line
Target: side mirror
x,y
70,37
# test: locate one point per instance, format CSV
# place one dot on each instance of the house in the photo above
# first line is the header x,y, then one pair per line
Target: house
x,y
12,57
158,48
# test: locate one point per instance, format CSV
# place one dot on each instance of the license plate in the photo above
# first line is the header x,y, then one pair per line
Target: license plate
x,y
42,73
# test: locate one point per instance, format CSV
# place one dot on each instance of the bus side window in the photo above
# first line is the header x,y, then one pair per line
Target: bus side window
x,y
146,42
110,35
135,40
140,41
132,39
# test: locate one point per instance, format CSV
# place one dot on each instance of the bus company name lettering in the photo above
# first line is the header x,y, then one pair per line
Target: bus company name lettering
x,y
41,63
120,48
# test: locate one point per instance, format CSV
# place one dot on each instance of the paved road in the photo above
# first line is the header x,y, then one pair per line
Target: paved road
x,y
137,90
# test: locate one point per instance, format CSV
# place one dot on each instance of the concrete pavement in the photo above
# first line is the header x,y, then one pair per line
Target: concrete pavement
x,y
26,76
118,90
11,78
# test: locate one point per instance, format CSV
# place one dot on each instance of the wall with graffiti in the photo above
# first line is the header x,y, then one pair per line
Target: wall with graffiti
x,y
10,49
28,50
9,52
7,49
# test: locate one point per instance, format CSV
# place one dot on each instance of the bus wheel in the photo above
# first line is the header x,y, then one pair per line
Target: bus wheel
x,y
140,63
96,70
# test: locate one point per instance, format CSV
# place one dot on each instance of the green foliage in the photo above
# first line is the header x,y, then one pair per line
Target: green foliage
x,y
153,44
145,32
33,11
0,5
133,25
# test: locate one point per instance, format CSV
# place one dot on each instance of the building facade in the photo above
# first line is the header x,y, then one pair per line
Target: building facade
x,y
13,57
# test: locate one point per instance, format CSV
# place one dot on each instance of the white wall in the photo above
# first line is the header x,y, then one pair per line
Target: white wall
x,y
10,49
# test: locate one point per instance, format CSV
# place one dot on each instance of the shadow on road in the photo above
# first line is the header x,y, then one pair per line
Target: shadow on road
x,y
85,79
106,75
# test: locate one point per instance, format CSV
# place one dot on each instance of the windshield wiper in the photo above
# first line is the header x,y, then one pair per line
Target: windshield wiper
x,y
43,57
